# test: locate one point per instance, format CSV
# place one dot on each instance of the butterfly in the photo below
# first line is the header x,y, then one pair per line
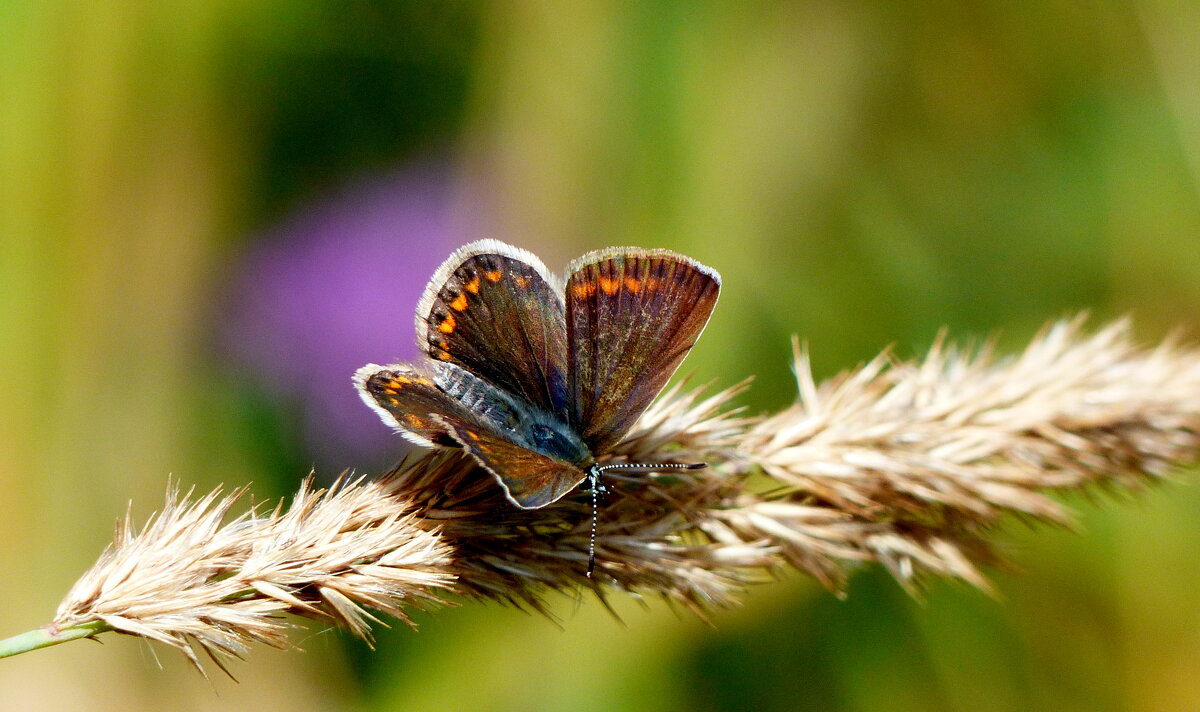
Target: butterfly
x,y
535,377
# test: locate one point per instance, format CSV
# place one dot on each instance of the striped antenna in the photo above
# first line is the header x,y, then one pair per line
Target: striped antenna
x,y
593,476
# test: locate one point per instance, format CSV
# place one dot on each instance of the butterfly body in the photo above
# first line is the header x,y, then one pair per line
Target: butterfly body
x,y
523,423
535,377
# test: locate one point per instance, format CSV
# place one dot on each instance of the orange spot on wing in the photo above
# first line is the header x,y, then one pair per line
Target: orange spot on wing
x,y
632,284
414,421
609,286
447,324
521,280
443,354
473,285
583,289
651,284
459,303
493,275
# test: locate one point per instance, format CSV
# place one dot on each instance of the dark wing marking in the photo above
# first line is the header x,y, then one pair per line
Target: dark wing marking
x,y
493,310
632,316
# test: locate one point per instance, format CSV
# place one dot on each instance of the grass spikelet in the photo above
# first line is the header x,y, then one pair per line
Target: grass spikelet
x,y
190,576
912,465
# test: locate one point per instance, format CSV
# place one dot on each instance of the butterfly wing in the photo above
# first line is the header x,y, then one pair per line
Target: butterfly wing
x,y
452,407
530,479
493,310
632,315
406,399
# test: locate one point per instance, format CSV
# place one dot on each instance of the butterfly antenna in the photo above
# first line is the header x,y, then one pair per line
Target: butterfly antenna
x,y
594,473
594,482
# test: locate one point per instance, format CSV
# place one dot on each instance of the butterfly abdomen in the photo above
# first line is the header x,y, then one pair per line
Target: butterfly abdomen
x,y
557,442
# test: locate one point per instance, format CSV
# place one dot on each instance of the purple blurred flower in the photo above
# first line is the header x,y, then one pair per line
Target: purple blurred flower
x,y
334,287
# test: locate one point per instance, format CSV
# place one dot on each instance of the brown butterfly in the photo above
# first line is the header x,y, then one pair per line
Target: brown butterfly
x,y
534,377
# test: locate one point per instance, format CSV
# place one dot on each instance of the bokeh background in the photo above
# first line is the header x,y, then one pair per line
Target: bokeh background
x,y
211,212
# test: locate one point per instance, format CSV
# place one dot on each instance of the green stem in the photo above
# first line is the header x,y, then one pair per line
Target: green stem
x,y
49,635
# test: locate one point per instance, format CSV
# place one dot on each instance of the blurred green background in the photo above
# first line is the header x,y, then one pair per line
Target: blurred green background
x,y
860,173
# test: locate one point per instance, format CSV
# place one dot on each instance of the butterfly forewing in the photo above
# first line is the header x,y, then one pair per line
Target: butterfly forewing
x,y
532,480
632,315
492,310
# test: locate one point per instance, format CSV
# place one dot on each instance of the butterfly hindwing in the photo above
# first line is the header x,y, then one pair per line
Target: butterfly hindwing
x,y
632,315
493,310
406,398
531,479
528,451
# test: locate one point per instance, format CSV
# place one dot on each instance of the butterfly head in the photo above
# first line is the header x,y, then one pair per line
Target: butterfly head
x,y
593,475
